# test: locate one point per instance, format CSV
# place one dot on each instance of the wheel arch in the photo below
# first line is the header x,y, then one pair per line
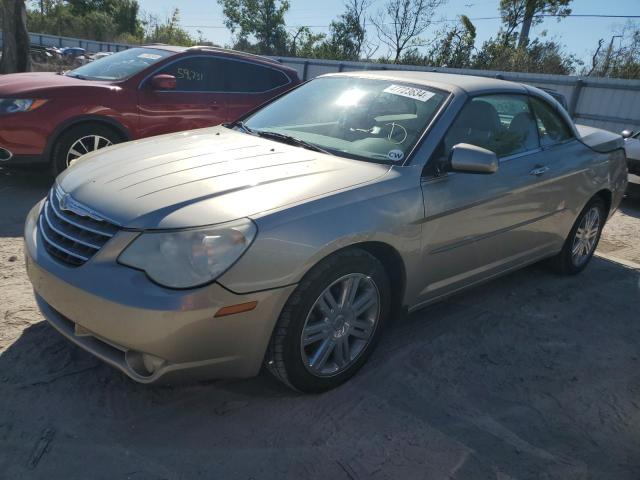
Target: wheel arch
x,y
607,197
84,119
394,266
391,261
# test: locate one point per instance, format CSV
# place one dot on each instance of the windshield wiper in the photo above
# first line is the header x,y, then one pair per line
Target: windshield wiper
x,y
241,125
290,140
79,77
276,136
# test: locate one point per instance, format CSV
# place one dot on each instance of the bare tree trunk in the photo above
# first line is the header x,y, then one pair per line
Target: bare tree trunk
x,y
16,43
594,58
523,39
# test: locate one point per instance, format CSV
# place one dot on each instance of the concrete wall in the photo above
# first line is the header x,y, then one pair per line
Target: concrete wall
x,y
61,42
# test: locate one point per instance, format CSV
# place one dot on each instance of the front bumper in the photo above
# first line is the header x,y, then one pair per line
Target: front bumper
x,y
149,332
27,161
25,135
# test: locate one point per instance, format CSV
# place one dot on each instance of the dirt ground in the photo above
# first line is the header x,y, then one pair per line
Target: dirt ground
x,y
532,376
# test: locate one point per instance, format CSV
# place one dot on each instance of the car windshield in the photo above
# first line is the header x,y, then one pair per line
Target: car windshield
x,y
120,65
375,120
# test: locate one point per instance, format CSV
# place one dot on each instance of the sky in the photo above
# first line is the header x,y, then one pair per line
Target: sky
x,y
579,35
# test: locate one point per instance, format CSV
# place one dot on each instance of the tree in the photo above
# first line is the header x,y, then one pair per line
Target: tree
x,y
347,34
16,43
103,20
621,61
536,57
168,31
401,22
526,13
304,43
262,20
456,48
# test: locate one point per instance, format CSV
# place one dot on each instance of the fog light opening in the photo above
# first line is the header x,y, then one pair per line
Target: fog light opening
x,y
143,364
5,154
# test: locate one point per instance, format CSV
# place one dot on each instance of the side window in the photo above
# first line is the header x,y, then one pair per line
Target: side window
x,y
248,77
552,127
500,123
196,74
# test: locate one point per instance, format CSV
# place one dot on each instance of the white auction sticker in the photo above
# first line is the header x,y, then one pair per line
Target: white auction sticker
x,y
395,155
150,56
410,92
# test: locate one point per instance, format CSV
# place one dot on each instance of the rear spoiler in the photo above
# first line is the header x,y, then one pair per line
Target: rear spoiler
x,y
602,141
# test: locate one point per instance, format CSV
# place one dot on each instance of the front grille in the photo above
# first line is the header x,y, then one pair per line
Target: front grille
x,y
70,237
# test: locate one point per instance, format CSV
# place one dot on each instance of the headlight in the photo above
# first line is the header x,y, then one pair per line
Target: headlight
x,y
15,105
189,258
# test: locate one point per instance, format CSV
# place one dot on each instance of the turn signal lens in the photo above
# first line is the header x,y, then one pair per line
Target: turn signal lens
x,y
233,309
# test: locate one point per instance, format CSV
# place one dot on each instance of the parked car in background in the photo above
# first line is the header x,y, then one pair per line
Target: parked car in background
x,y
291,237
54,118
632,148
99,55
72,52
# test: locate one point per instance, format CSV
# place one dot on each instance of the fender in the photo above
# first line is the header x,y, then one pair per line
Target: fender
x,y
53,138
291,241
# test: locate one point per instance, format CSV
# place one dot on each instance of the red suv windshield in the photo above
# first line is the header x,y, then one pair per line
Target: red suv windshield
x,y
121,65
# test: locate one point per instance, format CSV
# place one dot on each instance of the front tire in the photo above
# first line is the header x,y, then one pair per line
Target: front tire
x,y
331,323
582,240
80,140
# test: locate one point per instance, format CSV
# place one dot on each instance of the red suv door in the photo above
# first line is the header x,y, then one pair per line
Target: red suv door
x,y
250,84
197,101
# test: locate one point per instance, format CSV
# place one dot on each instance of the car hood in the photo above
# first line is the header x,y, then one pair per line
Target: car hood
x,y
16,84
204,177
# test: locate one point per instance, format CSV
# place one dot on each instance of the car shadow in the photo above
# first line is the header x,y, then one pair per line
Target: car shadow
x,y
631,206
529,375
19,192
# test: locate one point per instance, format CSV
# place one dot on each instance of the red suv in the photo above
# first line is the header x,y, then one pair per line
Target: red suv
x,y
53,118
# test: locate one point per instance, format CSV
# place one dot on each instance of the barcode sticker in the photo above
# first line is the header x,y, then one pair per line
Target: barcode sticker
x,y
409,92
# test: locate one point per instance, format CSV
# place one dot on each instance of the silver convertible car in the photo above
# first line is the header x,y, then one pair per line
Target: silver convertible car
x,y
290,238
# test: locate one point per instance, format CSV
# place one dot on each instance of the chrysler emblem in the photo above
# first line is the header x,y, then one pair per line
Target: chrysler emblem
x,y
68,204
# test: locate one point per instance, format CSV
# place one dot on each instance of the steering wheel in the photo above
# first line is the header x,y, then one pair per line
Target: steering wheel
x,y
397,133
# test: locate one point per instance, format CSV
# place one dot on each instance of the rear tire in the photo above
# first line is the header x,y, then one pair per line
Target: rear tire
x,y
582,240
308,327
81,139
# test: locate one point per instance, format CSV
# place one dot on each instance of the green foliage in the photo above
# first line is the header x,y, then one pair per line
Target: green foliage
x,y
167,31
305,43
347,33
535,57
102,20
456,48
259,21
621,60
527,13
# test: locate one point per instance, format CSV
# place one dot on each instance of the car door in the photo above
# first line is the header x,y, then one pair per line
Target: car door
x,y
197,101
250,84
477,225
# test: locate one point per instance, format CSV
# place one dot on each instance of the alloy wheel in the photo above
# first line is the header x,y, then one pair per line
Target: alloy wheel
x,y
340,325
85,145
586,236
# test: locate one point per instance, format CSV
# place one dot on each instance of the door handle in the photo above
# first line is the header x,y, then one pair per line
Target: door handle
x,y
539,171
214,106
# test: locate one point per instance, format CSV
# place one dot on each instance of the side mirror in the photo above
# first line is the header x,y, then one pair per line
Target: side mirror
x,y
627,133
466,158
164,82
